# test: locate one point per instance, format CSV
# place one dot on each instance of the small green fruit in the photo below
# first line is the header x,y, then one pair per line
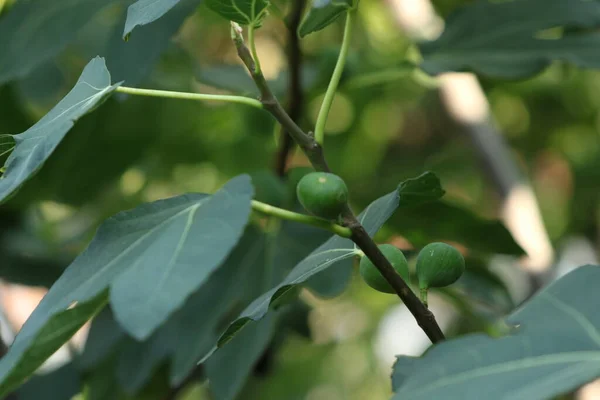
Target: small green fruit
x,y
322,194
373,277
439,265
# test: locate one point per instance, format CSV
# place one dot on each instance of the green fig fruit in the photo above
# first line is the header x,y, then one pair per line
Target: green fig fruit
x,y
322,194
373,277
439,265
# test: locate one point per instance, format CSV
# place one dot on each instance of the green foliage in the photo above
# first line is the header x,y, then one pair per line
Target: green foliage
x,y
183,272
442,220
24,48
505,39
35,145
373,277
323,13
45,332
535,361
245,12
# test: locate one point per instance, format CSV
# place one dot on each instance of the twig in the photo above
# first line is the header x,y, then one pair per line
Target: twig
x,y
296,94
307,143
314,152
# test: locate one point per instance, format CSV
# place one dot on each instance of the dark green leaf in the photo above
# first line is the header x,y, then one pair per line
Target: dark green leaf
x,y
554,348
245,12
321,14
60,384
133,60
447,222
158,254
34,146
422,189
242,352
104,334
143,12
500,38
34,31
45,331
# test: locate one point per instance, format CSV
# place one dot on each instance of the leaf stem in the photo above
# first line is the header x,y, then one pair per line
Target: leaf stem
x,y
190,96
273,211
257,68
335,79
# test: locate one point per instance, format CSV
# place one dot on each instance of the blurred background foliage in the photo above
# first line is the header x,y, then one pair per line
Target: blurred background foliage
x,y
386,125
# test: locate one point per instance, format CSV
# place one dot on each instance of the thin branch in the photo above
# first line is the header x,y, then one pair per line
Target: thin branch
x,y
257,67
190,96
314,152
296,95
335,79
301,218
311,148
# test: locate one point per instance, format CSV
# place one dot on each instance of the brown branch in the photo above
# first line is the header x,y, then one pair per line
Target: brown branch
x,y
314,152
296,94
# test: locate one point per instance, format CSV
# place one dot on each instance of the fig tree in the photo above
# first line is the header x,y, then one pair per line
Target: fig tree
x,y
322,194
373,277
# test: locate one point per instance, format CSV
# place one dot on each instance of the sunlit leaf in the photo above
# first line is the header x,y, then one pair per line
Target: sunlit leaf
x,y
554,348
34,146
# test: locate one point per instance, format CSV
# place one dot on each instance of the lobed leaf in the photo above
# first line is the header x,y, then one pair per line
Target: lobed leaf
x,y
35,145
554,348
504,38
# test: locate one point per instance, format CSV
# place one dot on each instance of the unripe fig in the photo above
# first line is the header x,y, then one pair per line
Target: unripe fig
x,y
373,277
322,194
439,265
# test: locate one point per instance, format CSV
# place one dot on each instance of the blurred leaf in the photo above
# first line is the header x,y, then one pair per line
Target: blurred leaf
x,y
242,353
133,60
34,31
422,189
321,14
444,221
60,384
143,12
104,334
503,38
552,350
45,331
34,146
245,12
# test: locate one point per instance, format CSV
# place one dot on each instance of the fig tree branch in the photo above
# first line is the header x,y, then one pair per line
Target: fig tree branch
x,y
314,152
